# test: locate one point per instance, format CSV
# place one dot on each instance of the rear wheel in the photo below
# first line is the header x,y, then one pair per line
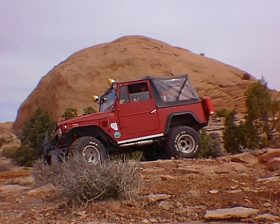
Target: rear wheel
x,y
88,148
182,142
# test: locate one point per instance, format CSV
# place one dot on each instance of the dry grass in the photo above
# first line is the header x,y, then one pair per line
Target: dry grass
x,y
82,182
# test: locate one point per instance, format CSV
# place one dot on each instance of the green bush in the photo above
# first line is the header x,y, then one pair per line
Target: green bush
x,y
69,113
222,113
82,182
231,143
210,145
32,137
234,135
262,110
9,151
26,155
89,110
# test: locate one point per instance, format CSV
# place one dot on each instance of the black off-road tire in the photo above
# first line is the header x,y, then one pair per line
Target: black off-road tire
x,y
88,148
183,142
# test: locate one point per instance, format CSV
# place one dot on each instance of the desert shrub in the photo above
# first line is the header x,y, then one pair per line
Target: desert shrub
x,y
2,141
82,182
262,110
235,136
32,137
210,145
222,113
231,141
9,151
89,110
126,156
215,147
26,155
70,113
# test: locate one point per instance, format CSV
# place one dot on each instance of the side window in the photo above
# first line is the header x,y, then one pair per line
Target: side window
x,y
123,95
138,92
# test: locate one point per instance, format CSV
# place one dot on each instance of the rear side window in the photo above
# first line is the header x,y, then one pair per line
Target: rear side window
x,y
134,93
138,92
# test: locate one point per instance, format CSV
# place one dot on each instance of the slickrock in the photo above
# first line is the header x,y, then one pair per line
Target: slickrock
x,y
274,163
85,73
270,154
230,213
245,158
157,197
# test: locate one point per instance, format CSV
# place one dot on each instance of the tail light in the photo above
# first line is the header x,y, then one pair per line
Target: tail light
x,y
208,105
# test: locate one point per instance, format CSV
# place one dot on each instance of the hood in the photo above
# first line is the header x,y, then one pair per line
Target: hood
x,y
85,120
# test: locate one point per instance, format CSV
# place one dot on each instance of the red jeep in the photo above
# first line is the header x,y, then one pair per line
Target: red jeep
x,y
163,111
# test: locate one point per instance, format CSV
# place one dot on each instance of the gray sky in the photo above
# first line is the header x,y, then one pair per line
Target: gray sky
x,y
35,35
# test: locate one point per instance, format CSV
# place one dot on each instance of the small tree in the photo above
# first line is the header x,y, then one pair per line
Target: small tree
x,y
32,137
233,134
69,113
222,113
261,110
210,145
89,110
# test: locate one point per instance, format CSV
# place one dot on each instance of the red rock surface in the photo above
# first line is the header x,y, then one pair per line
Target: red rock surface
x,y
207,189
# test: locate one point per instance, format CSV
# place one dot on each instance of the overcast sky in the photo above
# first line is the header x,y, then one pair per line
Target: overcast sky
x,y
35,35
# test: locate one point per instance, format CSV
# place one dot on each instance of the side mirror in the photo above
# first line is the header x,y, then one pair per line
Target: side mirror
x,y
104,100
96,98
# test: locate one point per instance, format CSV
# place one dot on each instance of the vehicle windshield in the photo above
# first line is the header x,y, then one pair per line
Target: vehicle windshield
x,y
174,90
107,100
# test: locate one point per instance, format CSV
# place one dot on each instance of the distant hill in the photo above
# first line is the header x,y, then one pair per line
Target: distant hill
x,y
73,82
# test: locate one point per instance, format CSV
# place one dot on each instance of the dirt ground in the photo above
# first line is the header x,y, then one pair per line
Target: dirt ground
x,y
172,191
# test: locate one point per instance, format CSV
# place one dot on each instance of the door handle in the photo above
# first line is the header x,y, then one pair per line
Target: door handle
x,y
153,111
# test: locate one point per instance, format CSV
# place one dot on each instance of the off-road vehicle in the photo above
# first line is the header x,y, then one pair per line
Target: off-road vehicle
x,y
152,111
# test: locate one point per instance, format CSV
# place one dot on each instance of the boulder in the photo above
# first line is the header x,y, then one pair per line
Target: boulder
x,y
167,178
266,217
166,205
274,163
230,213
157,197
245,158
230,167
271,153
153,171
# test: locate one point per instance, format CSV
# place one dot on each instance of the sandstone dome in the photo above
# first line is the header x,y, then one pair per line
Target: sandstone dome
x,y
72,83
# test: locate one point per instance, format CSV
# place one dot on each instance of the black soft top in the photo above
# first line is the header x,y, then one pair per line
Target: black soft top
x,y
172,91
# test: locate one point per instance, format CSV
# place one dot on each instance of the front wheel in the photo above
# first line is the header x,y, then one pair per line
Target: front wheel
x,y
88,148
182,142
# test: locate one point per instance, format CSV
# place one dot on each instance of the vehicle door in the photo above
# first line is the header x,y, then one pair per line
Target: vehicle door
x,y
137,110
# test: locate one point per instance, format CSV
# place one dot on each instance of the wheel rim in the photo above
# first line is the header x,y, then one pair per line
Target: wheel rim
x,y
185,143
91,154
